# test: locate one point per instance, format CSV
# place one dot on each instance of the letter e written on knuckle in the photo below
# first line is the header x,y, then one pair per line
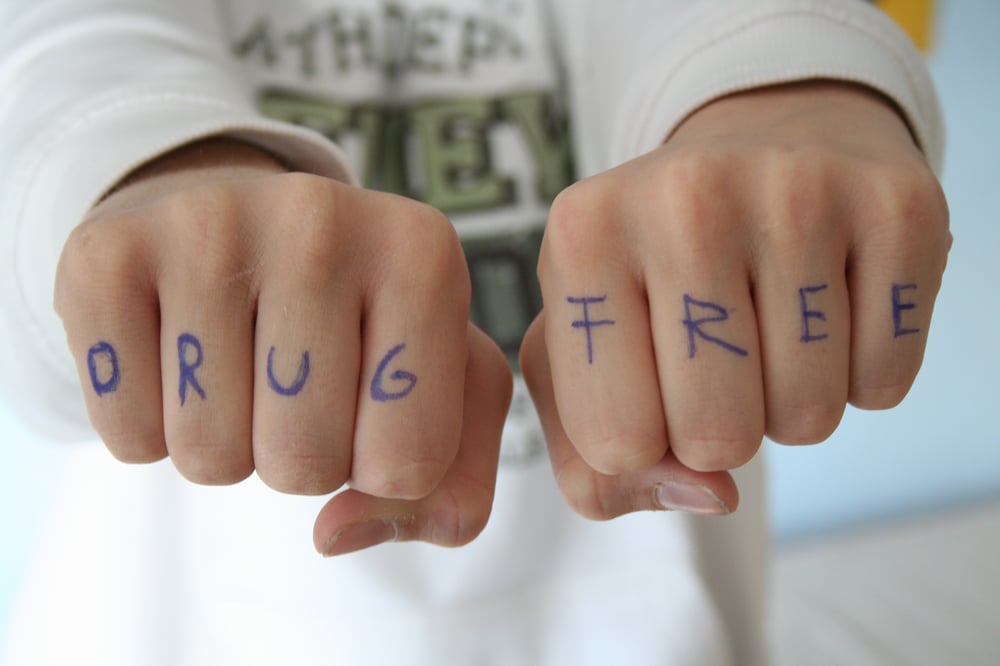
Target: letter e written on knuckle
x,y
899,306
809,335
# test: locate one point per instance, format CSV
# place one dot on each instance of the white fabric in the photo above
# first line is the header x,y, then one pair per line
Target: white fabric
x,y
140,567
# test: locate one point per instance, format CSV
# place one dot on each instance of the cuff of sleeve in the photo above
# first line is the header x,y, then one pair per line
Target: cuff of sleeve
x,y
779,42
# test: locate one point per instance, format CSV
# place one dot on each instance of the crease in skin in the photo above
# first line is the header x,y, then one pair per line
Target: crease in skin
x,y
407,518
242,276
395,523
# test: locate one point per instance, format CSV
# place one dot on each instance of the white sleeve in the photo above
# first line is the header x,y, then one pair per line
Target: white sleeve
x,y
637,68
92,89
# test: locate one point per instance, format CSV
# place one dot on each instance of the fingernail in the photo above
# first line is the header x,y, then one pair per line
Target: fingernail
x,y
691,498
359,537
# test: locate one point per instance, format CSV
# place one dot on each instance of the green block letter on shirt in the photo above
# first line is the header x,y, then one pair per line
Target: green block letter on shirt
x,y
455,149
547,137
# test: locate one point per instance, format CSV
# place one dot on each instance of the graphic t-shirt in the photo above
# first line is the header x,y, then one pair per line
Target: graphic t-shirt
x,y
457,104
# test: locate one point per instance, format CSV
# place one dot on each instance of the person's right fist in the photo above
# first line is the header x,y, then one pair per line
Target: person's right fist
x,y
237,318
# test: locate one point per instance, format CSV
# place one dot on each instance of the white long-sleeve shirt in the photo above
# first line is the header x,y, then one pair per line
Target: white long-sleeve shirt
x,y
401,95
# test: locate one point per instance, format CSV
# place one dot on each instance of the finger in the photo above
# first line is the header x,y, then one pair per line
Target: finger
x,y
458,509
705,332
415,340
597,338
107,301
665,485
804,321
207,313
894,277
308,350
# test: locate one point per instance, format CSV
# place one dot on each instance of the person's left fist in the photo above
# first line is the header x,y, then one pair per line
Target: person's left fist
x,y
775,259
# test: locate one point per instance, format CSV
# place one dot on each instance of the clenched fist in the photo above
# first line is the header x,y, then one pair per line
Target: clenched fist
x,y
237,318
775,259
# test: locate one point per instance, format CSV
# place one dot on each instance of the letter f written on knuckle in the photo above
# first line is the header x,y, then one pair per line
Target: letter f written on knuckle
x,y
587,323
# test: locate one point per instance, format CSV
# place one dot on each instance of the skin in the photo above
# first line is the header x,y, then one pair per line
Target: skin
x,y
215,240
755,196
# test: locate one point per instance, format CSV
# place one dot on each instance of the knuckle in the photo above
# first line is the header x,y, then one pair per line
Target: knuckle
x,y
879,397
311,228
101,254
693,170
295,467
213,465
882,379
426,254
912,209
318,246
620,454
616,446
214,237
716,452
800,187
134,447
806,423
406,478
911,192
580,222
687,193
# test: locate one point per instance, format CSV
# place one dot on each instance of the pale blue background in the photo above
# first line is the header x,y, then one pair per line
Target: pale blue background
x,y
941,447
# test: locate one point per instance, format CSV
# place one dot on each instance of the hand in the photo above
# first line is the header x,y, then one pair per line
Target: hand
x,y
237,318
775,259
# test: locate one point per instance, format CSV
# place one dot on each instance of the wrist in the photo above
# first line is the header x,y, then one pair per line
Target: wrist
x,y
207,160
847,109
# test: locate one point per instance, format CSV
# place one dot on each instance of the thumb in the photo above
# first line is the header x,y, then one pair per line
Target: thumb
x,y
668,484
